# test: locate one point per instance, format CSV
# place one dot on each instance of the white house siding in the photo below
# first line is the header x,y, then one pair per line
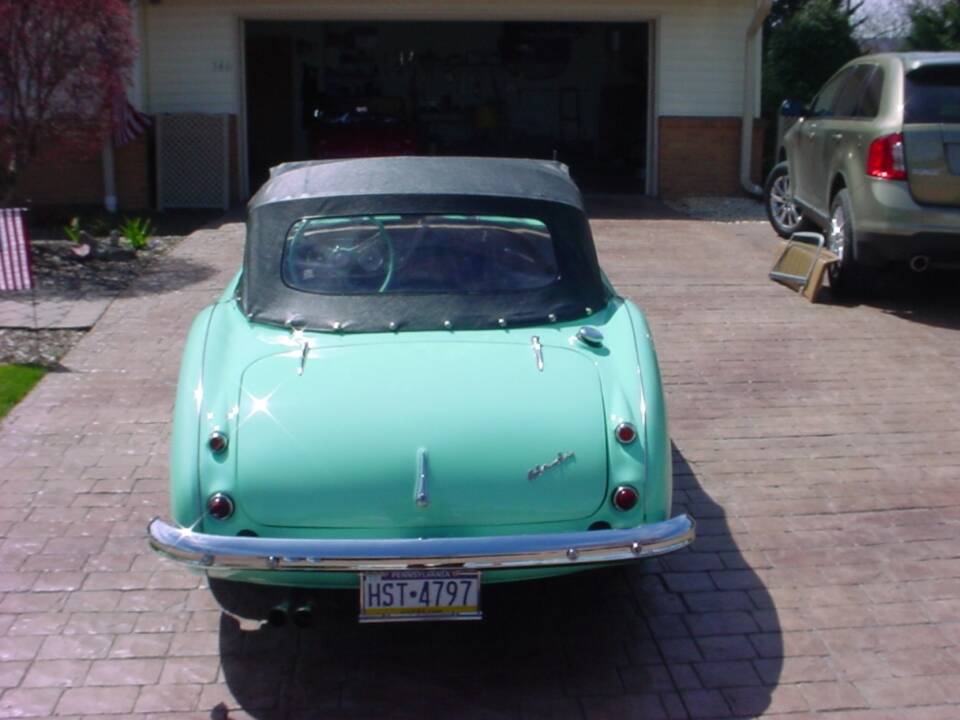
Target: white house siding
x,y
193,59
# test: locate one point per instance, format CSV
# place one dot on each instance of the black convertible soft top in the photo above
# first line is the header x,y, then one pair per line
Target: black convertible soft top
x,y
495,177
536,189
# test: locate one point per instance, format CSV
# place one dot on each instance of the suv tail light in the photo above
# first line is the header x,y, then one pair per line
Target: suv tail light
x,y
885,158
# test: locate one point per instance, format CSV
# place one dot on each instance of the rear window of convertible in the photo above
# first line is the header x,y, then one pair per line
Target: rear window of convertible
x,y
450,254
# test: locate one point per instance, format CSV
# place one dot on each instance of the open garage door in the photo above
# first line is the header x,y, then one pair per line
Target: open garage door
x,y
577,92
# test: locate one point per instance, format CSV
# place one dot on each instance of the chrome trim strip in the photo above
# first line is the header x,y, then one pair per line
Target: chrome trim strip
x,y
228,553
420,495
304,352
537,351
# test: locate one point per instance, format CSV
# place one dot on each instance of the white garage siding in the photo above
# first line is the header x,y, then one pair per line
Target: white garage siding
x,y
193,62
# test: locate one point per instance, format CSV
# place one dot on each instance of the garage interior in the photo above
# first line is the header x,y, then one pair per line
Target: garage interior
x,y
577,92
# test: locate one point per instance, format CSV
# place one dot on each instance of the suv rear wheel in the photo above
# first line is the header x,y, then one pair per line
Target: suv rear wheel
x,y
846,275
785,216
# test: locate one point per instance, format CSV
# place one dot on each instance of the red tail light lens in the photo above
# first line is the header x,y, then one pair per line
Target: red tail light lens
x,y
626,433
217,442
625,497
220,506
885,158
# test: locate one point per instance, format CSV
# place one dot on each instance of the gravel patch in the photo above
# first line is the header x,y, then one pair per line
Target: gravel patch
x,y
36,347
721,209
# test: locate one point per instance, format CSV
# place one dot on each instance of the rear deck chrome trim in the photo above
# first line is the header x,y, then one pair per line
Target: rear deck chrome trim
x,y
420,495
537,351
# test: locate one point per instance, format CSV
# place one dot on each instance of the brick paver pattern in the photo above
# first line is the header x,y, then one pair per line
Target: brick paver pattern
x,y
48,310
817,445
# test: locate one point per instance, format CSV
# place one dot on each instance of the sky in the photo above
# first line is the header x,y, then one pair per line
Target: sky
x,y
885,18
881,17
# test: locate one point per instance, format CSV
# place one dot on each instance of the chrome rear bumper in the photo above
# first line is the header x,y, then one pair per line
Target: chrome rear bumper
x,y
502,552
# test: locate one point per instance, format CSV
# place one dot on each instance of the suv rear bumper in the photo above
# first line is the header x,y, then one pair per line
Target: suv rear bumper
x,y
879,249
892,227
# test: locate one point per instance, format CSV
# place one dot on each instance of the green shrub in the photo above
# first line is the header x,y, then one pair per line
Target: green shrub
x,y
73,229
934,27
804,51
137,232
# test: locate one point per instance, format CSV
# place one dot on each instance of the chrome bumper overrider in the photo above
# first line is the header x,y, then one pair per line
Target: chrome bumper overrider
x,y
501,552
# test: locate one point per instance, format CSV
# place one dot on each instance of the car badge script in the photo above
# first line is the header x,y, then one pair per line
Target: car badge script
x,y
538,470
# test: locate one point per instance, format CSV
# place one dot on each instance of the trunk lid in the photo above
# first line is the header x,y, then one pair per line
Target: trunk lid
x,y
931,134
339,446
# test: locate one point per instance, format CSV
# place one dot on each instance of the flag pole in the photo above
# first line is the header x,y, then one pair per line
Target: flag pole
x,y
36,323
28,249
109,177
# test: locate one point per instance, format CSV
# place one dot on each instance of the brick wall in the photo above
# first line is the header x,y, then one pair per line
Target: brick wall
x,y
132,168
60,178
697,156
701,156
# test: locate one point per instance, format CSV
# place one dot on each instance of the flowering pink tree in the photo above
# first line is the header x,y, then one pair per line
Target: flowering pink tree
x,y
62,65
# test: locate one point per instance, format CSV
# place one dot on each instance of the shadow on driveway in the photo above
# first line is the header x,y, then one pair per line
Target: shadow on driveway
x,y
629,207
688,635
931,298
175,273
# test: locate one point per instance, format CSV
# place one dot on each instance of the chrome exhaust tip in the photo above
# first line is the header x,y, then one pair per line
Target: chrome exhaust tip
x,y
278,615
919,263
303,615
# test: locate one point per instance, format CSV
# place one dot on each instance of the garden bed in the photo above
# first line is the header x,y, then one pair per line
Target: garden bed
x,y
60,275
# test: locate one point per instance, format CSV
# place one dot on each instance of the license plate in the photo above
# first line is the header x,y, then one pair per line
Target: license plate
x,y
411,595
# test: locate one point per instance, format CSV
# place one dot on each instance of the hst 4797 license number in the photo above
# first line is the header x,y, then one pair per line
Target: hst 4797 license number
x,y
411,595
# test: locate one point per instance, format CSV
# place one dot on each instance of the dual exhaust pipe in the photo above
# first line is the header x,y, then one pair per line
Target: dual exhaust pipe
x,y
301,615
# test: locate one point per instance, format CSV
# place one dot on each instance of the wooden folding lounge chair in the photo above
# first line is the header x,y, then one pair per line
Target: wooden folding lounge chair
x,y
802,263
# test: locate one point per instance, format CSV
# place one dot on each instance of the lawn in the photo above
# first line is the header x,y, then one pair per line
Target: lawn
x,y
15,382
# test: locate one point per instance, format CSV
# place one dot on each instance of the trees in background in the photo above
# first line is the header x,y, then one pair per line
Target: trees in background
x,y
806,42
934,26
63,63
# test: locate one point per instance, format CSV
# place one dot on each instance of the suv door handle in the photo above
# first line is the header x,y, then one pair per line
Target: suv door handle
x,y
836,136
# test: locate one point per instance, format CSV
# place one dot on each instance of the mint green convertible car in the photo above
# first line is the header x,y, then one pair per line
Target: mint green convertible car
x,y
420,382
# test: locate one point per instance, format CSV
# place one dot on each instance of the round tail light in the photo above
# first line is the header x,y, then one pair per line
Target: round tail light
x,y
220,506
625,498
217,442
626,433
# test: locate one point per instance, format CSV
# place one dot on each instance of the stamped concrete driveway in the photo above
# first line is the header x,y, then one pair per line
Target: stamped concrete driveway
x,y
818,445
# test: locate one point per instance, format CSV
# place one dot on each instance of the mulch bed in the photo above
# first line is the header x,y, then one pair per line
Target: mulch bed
x,y
57,270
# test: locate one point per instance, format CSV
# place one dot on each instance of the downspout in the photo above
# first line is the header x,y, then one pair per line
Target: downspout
x,y
750,73
108,160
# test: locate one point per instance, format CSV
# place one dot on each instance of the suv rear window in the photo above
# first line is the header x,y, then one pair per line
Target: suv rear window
x,y
457,254
933,95
869,105
847,101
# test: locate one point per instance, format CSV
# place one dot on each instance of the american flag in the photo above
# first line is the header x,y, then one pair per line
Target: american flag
x,y
128,122
14,251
